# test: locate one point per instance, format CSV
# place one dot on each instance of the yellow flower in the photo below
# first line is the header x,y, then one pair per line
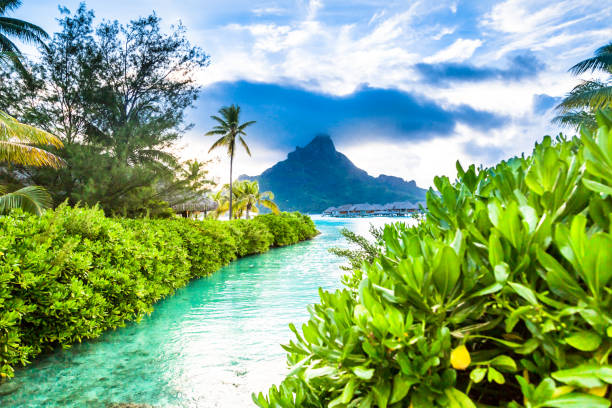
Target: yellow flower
x,y
599,391
460,358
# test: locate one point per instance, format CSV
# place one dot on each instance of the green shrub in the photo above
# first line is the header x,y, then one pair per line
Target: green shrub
x,y
500,297
288,228
254,236
73,273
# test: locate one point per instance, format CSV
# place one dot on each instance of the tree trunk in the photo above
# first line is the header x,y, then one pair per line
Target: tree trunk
x,y
247,211
230,184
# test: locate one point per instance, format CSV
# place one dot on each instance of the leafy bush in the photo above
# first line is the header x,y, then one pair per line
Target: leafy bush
x,y
499,297
73,273
288,228
254,237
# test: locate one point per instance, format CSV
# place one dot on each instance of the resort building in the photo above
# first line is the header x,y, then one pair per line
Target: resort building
x,y
395,209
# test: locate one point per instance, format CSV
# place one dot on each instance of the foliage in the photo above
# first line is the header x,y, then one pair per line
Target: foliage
x,y
72,273
18,145
288,228
32,199
116,95
20,29
579,106
231,131
500,297
247,199
363,250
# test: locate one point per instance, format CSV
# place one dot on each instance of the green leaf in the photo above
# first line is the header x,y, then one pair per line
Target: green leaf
x,y
577,400
584,340
504,363
544,391
348,392
585,376
524,292
597,187
457,399
401,386
478,374
363,373
447,271
494,375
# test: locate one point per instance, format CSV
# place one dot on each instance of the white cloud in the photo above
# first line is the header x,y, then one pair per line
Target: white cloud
x,y
537,25
316,55
459,51
444,32
274,11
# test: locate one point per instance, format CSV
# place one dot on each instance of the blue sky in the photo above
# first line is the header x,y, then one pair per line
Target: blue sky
x,y
403,87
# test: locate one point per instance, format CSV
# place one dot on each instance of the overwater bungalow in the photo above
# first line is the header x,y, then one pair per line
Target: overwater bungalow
x,y
395,209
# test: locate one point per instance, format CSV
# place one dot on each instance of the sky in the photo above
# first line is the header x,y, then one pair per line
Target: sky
x,y
404,88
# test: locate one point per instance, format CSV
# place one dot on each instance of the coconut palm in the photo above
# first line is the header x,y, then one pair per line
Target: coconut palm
x,y
231,131
579,106
18,145
19,29
249,197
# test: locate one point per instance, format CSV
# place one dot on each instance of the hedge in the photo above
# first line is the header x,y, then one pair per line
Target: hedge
x,y
501,297
74,273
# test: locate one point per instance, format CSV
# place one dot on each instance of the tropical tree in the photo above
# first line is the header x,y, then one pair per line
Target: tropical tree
x,y
249,197
231,131
22,30
222,200
18,145
116,95
579,106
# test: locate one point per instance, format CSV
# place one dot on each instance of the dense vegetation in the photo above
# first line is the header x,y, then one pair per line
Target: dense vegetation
x,y
500,297
115,95
317,176
73,273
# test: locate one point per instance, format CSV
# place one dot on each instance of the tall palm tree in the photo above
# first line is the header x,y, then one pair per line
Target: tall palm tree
x,y
249,198
579,106
231,131
19,29
18,145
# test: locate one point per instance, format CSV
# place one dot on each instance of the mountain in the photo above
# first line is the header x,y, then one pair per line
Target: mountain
x,y
317,176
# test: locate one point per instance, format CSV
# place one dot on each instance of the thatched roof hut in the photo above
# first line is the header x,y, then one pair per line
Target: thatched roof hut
x,y
196,205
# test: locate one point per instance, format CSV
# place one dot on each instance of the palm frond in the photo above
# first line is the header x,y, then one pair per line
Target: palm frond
x,y
32,199
27,155
222,123
591,94
245,146
23,30
11,129
245,125
223,141
271,205
575,119
9,5
602,61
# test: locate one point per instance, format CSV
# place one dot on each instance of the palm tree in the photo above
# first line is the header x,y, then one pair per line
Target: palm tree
x,y
22,30
249,198
579,106
231,131
18,146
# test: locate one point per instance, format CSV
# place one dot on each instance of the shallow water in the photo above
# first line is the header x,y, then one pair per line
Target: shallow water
x,y
211,344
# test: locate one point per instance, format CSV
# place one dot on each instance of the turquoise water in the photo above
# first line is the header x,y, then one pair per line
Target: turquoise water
x,y
210,345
